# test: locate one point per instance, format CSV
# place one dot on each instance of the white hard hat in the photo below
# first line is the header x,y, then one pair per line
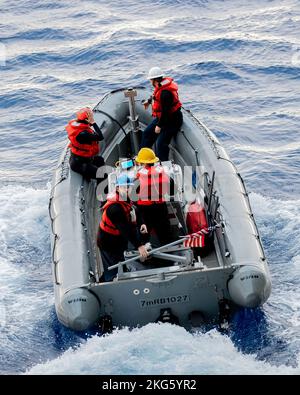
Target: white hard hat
x,y
155,72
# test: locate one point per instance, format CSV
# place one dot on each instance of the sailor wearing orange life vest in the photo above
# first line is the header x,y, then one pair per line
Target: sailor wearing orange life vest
x,y
154,185
166,111
121,222
84,144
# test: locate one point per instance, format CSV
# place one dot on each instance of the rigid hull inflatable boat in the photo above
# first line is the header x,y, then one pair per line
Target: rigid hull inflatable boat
x,y
190,287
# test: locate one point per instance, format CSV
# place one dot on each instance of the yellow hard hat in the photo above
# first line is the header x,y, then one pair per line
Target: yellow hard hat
x,y
146,155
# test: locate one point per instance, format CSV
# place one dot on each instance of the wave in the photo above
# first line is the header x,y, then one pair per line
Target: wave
x,y
21,5
213,70
293,147
89,55
26,289
279,222
158,349
21,97
283,70
24,226
46,33
245,74
122,41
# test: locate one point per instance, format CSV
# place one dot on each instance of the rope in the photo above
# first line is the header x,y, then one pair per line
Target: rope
x,y
112,119
206,133
188,141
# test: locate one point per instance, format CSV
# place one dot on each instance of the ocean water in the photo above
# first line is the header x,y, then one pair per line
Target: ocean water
x,y
238,67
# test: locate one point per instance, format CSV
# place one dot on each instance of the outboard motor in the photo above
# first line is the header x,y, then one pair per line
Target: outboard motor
x,y
105,324
166,315
249,286
224,314
196,319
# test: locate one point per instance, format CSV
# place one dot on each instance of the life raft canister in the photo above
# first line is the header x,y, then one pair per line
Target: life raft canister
x,y
106,224
74,128
196,220
169,85
154,185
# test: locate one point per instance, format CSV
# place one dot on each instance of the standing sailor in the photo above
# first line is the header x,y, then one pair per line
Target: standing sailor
x,y
84,144
120,224
154,185
166,111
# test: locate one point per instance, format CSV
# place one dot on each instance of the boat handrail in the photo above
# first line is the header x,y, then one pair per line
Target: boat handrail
x,y
155,250
164,247
170,257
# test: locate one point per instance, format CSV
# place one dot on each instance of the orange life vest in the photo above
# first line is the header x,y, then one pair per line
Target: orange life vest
x,y
167,84
154,184
106,224
87,150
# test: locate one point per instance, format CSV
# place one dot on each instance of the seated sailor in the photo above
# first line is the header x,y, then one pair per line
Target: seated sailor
x,y
84,144
154,185
120,223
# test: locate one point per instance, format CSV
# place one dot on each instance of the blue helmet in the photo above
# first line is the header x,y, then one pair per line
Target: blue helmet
x,y
124,180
